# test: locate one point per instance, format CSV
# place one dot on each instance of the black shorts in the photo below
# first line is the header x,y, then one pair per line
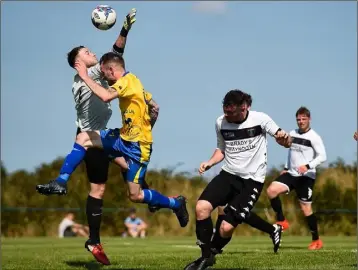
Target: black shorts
x,y
68,232
238,193
97,164
302,184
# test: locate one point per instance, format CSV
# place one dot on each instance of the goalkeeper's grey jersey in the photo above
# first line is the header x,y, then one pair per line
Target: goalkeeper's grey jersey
x,y
92,112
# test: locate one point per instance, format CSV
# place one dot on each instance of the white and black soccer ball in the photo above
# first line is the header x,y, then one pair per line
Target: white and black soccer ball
x,y
103,17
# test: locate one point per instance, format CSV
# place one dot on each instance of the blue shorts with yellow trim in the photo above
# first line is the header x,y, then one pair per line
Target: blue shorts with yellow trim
x,y
136,154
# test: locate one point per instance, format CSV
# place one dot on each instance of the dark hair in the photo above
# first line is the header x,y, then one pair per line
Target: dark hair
x,y
112,57
303,110
237,97
71,56
132,210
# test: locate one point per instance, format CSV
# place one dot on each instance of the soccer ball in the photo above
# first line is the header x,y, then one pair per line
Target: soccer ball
x,y
103,17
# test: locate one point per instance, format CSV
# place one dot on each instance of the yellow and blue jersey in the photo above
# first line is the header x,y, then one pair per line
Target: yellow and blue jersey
x,y
134,109
134,140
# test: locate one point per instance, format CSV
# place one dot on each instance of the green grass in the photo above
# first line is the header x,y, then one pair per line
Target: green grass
x,y
175,253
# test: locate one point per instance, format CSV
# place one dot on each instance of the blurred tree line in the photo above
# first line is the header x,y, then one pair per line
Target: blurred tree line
x,y
26,213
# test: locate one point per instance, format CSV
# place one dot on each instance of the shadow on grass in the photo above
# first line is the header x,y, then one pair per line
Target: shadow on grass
x,y
94,265
243,268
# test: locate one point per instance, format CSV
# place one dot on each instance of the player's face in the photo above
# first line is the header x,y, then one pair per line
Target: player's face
x,y
108,72
234,113
87,57
303,122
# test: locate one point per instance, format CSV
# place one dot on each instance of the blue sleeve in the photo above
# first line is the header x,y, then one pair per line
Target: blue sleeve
x,y
139,221
127,220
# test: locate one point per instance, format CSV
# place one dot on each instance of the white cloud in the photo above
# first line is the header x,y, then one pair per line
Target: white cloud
x,y
211,7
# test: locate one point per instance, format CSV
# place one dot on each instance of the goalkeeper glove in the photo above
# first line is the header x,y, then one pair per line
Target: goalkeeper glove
x,y
128,22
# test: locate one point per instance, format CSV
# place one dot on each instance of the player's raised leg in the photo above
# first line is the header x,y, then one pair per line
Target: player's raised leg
x,y
135,176
84,140
281,185
255,221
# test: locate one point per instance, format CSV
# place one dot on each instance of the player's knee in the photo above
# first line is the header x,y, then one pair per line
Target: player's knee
x,y
272,191
82,138
226,229
135,197
203,209
97,190
121,162
306,209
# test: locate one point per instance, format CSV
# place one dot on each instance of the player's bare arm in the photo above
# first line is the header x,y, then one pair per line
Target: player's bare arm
x,y
104,94
153,111
355,136
216,158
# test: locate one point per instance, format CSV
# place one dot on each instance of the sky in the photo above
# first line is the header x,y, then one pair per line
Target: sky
x,y
188,55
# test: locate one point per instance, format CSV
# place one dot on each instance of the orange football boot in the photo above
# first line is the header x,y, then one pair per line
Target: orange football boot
x,y
285,225
315,245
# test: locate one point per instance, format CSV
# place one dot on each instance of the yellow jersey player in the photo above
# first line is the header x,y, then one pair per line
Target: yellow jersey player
x,y
133,141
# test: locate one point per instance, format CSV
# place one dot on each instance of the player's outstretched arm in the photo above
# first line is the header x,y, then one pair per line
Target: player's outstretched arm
x,y
120,43
104,94
216,158
218,155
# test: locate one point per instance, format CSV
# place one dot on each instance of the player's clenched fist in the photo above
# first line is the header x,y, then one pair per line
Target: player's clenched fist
x,y
204,166
283,138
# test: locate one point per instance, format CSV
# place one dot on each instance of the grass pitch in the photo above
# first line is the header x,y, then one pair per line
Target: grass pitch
x,y
175,252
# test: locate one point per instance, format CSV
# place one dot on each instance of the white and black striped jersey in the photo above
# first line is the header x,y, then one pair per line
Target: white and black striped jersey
x,y
306,149
245,145
92,112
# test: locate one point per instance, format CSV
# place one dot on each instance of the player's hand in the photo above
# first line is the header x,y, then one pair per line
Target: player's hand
x,y
81,69
130,19
204,166
355,136
283,138
283,172
302,169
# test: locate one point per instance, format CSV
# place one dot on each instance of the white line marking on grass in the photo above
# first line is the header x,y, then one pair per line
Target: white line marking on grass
x,y
184,246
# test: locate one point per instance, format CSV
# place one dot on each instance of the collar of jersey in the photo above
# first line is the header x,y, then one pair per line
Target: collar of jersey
x,y
299,132
240,122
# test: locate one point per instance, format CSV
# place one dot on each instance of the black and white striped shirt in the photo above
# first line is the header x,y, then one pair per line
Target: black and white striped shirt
x,y
306,149
245,145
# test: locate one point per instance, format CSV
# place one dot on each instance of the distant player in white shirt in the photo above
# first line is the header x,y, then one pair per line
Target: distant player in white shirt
x,y
242,144
305,154
69,228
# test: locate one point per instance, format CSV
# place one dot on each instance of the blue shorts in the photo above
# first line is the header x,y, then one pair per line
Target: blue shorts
x,y
136,154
